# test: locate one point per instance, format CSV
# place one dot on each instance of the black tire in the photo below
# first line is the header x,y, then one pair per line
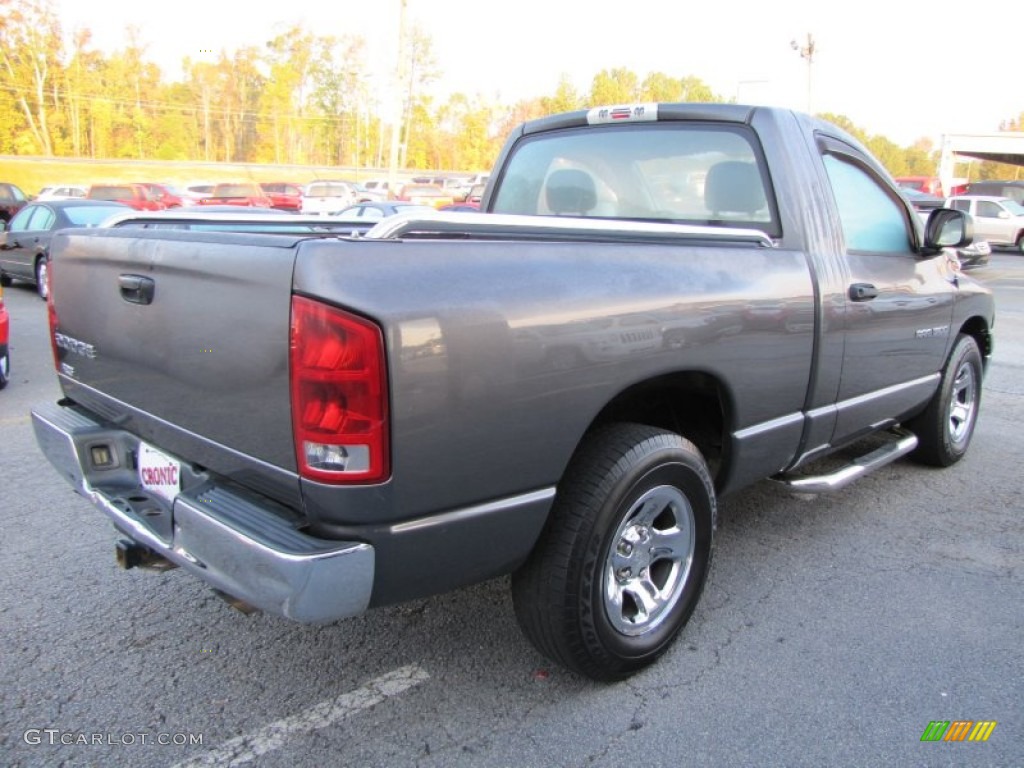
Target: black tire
x,y
634,518
5,280
42,280
945,428
1020,243
5,368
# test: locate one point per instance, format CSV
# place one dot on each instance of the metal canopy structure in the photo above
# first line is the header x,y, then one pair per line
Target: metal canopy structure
x,y
1003,147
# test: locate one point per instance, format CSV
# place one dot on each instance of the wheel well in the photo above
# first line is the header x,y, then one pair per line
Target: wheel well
x,y
978,328
692,404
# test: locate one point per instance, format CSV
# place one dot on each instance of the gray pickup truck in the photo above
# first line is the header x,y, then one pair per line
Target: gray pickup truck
x,y
660,304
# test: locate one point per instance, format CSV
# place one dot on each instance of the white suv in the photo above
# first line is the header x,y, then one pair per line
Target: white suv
x,y
327,197
999,220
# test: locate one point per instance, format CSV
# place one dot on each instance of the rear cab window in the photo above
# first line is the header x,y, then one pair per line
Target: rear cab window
x,y
696,172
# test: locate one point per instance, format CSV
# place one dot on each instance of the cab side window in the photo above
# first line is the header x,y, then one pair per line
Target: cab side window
x,y
873,222
988,210
42,219
20,221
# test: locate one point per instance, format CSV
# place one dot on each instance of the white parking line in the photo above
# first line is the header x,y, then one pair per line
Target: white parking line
x,y
249,746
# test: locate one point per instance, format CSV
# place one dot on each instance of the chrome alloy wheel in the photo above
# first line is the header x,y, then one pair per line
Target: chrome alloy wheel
x,y
43,278
962,403
649,561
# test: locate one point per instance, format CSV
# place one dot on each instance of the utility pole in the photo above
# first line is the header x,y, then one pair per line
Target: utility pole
x,y
399,93
806,52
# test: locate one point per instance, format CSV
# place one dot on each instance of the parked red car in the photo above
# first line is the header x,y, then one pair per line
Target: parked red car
x,y
5,336
285,196
241,193
930,185
135,195
12,200
170,197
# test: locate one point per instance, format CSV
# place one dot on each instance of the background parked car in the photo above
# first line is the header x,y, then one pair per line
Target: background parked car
x,y
328,197
379,189
974,255
425,194
372,210
931,185
283,195
466,207
12,200
476,193
25,244
366,195
170,197
5,342
1011,189
241,193
458,188
200,190
62,192
1000,220
135,195
923,202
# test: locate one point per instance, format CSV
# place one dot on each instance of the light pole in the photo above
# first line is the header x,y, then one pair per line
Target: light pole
x,y
806,52
401,73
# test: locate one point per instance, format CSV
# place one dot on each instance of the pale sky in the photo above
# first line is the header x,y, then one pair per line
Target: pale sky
x,y
902,69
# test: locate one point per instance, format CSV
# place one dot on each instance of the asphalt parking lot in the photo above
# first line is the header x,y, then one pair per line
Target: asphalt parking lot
x,y
832,632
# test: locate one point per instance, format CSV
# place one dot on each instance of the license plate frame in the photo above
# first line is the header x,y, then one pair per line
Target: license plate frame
x,y
159,473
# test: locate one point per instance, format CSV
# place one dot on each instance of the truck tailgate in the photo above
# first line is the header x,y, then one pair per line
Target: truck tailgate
x,y
149,336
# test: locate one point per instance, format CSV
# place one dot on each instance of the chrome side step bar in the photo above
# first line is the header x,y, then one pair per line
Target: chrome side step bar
x,y
903,442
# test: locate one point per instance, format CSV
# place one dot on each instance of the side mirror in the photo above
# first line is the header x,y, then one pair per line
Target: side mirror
x,y
1004,214
947,228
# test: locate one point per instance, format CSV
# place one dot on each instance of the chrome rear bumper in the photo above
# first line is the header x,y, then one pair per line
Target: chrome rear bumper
x,y
242,544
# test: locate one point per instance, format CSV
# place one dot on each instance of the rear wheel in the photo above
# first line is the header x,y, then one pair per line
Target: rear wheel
x,y
5,280
5,368
42,277
1020,242
945,428
623,559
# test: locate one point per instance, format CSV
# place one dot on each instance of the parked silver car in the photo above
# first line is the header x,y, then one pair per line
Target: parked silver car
x,y
999,220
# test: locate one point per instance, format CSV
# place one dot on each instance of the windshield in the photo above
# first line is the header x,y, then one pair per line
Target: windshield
x,y
1013,207
692,173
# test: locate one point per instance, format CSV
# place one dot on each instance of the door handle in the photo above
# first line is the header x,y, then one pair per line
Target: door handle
x,y
863,292
136,288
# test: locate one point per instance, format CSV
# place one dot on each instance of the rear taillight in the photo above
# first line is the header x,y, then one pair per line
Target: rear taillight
x,y
51,312
339,395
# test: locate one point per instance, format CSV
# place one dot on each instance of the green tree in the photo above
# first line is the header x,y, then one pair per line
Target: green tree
x,y
283,128
614,86
31,49
658,86
565,98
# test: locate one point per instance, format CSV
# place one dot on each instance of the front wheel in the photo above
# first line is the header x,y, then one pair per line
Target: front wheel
x,y
945,428
1020,243
623,559
43,277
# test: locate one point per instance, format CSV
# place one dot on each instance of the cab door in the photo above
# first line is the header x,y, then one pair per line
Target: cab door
x,y
994,223
898,304
26,238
